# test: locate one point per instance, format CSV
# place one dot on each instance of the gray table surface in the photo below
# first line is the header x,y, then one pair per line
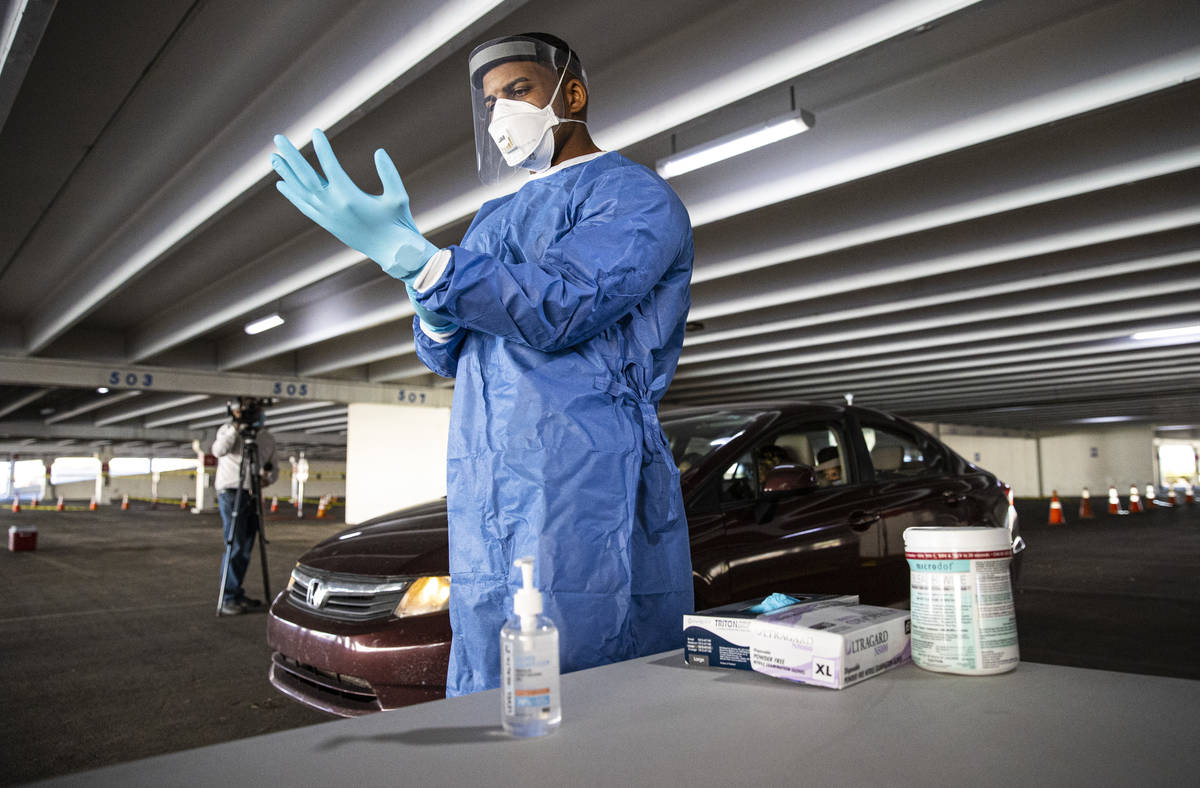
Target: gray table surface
x,y
655,721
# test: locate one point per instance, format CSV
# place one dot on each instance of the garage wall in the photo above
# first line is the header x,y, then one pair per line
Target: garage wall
x,y
172,484
1014,460
1092,458
1098,458
395,457
325,477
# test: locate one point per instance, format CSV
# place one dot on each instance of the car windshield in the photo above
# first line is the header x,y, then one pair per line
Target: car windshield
x,y
693,438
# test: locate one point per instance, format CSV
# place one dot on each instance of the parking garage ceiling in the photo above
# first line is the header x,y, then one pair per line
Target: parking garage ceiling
x,y
995,197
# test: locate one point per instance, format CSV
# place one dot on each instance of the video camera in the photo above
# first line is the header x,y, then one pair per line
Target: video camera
x,y
247,412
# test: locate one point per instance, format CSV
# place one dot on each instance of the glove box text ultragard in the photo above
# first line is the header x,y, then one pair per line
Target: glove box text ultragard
x,y
720,637
831,646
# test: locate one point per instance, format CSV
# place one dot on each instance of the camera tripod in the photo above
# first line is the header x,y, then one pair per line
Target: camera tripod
x,y
250,460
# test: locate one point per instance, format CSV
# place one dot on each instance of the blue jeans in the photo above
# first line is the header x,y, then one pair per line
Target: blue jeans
x,y
243,541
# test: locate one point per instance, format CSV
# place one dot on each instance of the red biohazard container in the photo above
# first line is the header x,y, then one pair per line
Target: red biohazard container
x,y
22,537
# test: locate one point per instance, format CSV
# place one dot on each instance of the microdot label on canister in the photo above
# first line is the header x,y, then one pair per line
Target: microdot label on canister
x,y
963,618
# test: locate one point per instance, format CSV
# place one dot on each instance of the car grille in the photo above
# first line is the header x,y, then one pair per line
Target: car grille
x,y
334,692
345,597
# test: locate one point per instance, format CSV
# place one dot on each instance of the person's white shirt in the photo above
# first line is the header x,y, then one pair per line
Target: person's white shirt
x,y
227,448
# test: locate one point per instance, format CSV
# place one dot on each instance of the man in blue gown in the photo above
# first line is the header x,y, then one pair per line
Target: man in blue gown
x,y
561,316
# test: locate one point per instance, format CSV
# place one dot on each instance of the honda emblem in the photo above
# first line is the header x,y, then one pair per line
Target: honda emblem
x,y
317,594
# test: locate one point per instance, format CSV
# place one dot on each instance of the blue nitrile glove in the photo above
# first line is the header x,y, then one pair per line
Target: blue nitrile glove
x,y
430,320
381,227
773,603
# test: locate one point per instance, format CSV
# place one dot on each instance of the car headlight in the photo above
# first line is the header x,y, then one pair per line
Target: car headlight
x,y
425,595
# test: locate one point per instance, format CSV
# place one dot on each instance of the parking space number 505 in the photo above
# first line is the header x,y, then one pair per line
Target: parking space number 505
x,y
291,389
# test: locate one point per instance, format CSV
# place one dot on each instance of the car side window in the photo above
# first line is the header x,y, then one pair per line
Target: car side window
x,y
740,480
899,455
817,446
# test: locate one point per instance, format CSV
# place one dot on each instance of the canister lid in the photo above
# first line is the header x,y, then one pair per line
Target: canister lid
x,y
940,539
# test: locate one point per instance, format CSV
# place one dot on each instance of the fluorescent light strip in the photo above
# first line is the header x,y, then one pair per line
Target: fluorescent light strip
x,y
1017,116
1165,333
264,324
735,144
729,85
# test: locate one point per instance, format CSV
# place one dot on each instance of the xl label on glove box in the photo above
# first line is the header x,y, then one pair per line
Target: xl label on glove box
x,y
833,646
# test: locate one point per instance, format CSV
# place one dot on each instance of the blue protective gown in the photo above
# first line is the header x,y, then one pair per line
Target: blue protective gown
x,y
572,294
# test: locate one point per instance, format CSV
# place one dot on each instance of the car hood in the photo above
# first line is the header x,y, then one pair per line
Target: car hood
x,y
409,542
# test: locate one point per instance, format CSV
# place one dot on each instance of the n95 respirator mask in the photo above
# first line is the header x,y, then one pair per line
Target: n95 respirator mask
x,y
525,133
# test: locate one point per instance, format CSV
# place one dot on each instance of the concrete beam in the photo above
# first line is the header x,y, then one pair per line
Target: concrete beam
x,y
101,401
146,408
22,401
380,46
21,29
364,347
943,342
447,189
370,305
37,371
15,430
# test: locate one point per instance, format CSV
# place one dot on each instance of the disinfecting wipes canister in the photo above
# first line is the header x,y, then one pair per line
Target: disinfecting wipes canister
x,y
963,619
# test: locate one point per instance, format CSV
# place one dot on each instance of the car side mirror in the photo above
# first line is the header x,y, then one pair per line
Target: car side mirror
x,y
789,479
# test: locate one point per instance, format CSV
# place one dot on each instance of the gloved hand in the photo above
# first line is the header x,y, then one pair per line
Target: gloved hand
x,y
430,320
381,227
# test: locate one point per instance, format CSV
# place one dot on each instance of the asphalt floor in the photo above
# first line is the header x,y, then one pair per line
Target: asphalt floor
x,y
110,649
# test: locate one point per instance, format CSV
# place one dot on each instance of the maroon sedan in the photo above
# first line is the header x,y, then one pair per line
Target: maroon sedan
x,y
779,496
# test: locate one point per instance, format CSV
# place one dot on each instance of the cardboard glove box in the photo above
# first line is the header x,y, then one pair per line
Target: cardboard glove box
x,y
830,646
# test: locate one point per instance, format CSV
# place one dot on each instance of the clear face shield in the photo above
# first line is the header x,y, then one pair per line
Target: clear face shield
x,y
516,95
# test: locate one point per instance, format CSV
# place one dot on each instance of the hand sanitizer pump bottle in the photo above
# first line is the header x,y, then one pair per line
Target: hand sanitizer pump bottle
x,y
529,663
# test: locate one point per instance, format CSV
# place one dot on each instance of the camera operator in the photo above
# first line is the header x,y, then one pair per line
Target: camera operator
x,y
246,419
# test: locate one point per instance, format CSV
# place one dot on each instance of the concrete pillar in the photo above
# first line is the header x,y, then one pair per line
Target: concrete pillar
x,y
47,484
102,477
300,477
395,457
12,475
201,477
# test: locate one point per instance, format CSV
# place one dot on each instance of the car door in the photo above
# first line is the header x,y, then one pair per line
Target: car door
x,y
802,541
913,485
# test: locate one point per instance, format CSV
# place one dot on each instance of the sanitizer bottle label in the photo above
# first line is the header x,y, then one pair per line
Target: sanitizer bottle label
x,y
529,678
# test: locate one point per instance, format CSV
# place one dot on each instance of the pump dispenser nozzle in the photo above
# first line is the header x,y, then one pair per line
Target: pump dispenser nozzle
x,y
527,602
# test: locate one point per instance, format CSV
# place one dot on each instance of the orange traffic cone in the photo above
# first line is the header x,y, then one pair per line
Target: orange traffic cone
x,y
1150,502
1188,494
1114,502
1171,500
1056,514
183,501
1085,505
59,507
16,507
37,502
92,505
125,503
321,508
274,504
1135,503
